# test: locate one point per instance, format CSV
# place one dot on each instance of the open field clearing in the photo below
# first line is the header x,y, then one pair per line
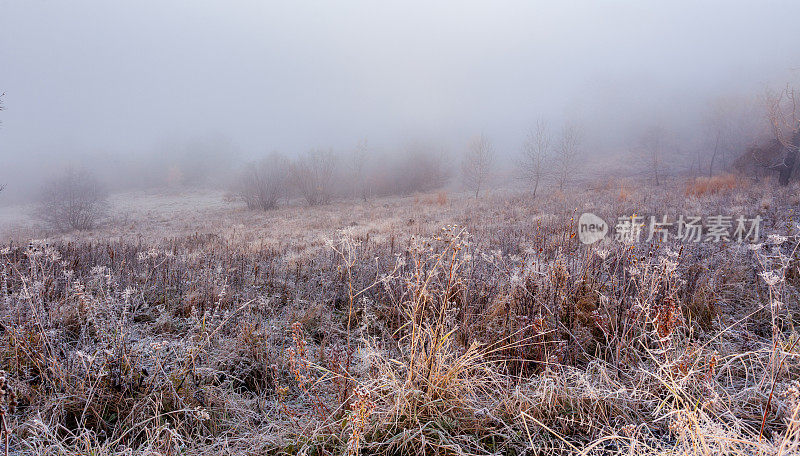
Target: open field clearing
x,y
435,324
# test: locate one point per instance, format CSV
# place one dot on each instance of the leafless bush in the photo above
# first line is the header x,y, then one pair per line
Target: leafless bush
x,y
74,200
476,166
313,175
419,167
264,182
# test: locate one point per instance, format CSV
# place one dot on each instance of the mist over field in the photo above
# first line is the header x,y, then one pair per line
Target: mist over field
x,y
128,88
394,228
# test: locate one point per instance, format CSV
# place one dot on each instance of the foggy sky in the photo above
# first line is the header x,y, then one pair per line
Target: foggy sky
x,y
126,77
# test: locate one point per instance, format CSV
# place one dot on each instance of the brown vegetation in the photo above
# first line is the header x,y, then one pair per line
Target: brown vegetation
x,y
501,334
712,185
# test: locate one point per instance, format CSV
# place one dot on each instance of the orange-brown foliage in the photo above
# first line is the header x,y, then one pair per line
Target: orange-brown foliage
x,y
712,185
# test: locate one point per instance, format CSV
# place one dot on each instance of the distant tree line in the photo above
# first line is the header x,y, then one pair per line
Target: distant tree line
x,y
752,137
318,176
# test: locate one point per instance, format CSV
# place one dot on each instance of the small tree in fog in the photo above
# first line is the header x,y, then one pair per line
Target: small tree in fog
x,y
74,200
476,166
532,164
313,174
264,182
785,123
730,124
566,161
418,168
652,144
358,161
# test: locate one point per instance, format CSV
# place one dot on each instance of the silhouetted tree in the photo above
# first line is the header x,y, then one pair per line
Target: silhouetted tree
x,y
782,115
532,164
567,162
652,146
476,166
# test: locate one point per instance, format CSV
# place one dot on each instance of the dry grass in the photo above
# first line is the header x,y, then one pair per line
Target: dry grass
x,y
379,332
713,185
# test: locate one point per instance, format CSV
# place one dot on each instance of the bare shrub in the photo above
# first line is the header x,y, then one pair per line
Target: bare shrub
x,y
264,182
476,166
74,200
313,175
420,169
760,160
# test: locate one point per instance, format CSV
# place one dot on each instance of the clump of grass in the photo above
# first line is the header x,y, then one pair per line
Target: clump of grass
x,y
712,185
8,402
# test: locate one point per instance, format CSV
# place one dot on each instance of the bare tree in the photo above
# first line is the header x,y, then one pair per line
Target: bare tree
x,y
263,183
566,161
476,166
74,200
532,164
783,118
418,167
358,161
731,124
313,175
651,148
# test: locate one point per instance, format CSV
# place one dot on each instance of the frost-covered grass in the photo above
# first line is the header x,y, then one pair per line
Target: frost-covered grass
x,y
422,325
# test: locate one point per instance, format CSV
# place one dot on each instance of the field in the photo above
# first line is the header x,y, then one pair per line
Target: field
x,y
431,324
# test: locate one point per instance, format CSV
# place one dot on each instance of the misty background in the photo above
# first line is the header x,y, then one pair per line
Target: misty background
x,y
136,90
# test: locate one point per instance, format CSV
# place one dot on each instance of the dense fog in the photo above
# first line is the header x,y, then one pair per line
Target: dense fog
x,y
159,93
